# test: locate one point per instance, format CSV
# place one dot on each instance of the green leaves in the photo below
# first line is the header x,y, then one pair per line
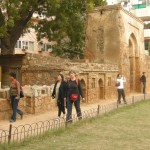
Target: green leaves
x,y
62,21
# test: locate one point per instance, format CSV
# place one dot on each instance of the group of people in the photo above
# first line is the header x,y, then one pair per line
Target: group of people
x,y
66,93
120,86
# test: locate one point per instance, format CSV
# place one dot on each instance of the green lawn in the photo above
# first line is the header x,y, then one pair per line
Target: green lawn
x,y
127,128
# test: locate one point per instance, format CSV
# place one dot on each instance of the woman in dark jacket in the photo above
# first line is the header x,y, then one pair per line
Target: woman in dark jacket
x,y
59,93
74,91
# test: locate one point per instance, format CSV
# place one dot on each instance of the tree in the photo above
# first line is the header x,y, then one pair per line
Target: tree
x,y
63,21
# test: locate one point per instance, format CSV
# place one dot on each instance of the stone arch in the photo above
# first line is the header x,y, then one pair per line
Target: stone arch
x,y
83,84
101,89
134,64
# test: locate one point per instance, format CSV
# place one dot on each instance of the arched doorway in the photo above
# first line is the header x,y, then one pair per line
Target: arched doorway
x,y
84,88
134,64
101,89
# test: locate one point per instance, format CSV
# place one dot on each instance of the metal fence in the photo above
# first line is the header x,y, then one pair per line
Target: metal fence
x,y
22,132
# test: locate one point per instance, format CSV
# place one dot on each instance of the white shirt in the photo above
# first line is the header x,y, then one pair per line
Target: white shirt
x,y
121,81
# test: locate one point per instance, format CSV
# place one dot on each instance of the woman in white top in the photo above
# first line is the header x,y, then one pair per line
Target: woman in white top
x,y
120,88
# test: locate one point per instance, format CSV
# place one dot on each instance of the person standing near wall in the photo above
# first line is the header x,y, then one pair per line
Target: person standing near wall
x,y
143,80
120,88
74,91
15,96
59,93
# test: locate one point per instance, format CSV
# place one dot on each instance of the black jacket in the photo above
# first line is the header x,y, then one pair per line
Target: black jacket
x,y
73,88
143,78
62,91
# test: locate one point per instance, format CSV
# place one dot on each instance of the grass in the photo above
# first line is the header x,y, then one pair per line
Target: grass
x,y
126,128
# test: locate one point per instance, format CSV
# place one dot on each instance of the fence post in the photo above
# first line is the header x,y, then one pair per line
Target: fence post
x,y
98,109
10,130
132,99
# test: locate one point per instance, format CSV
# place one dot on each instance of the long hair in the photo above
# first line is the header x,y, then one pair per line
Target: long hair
x,y
118,75
62,77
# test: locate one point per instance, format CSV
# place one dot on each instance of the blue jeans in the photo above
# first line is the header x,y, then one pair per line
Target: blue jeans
x,y
14,104
69,109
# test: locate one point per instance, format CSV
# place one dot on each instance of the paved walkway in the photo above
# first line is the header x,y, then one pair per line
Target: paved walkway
x,y
29,119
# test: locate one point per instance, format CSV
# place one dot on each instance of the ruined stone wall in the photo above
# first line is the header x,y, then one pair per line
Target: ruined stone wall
x,y
146,69
115,36
40,70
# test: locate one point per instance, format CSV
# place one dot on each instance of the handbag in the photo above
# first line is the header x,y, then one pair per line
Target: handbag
x,y
117,84
21,94
74,97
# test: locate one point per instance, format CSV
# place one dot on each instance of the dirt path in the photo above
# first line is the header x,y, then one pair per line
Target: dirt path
x,y
29,119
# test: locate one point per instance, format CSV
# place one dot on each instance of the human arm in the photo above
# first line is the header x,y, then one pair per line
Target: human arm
x,y
80,90
54,91
123,79
18,90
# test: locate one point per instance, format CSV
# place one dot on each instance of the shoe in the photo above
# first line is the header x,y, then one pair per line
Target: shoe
x,y
12,121
21,116
64,116
57,118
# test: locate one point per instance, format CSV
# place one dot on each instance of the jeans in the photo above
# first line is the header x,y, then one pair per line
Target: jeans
x,y
69,109
14,104
144,87
121,93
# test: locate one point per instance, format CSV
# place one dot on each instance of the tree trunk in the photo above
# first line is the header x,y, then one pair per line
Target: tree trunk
x,y
9,41
6,46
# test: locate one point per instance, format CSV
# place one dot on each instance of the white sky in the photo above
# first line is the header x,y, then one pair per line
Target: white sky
x,y
114,1
111,2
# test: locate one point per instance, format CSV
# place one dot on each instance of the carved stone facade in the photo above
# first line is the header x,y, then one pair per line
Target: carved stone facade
x,y
122,41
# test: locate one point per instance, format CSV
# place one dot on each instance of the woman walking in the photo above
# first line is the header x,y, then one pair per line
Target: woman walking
x,y
74,91
59,93
15,96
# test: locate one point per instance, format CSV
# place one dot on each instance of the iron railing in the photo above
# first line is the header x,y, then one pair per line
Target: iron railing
x,y
22,132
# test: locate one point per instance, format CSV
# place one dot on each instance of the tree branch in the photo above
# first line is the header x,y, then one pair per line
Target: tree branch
x,y
2,18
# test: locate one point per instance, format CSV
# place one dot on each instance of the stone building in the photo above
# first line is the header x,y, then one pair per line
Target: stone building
x,y
114,43
115,36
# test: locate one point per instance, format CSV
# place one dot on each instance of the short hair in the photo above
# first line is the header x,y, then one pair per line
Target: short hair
x,y
12,74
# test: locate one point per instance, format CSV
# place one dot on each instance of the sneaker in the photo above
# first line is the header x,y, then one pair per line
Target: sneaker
x,y
21,116
58,118
12,121
64,116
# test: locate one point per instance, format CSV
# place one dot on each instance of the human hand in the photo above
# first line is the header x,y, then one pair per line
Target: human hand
x,y
17,97
83,99
53,97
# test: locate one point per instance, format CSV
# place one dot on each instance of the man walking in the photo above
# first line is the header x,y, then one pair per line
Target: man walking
x,y
143,80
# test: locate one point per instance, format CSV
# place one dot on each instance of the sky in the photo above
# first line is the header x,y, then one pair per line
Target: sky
x,y
114,1
111,1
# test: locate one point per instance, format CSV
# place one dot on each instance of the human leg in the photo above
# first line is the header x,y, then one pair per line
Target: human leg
x,y
69,110
78,109
14,107
123,95
119,96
